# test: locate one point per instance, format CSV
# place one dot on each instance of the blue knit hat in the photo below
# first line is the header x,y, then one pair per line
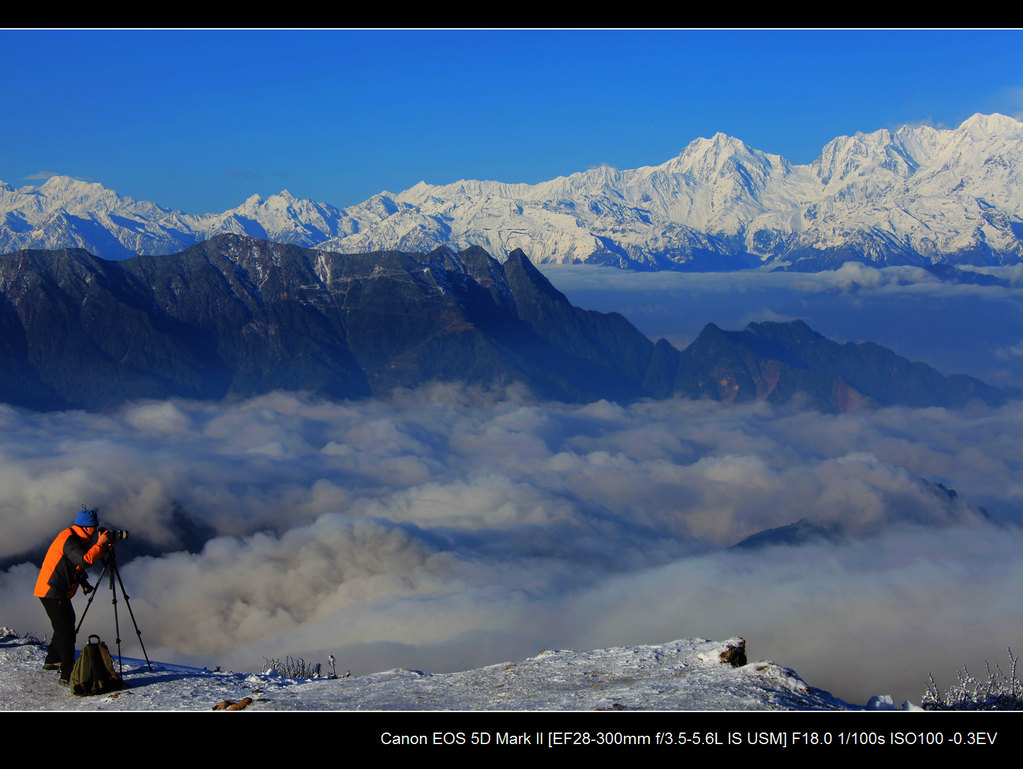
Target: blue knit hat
x,y
87,518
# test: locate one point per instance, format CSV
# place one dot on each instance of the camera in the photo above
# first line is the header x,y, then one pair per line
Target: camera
x,y
115,534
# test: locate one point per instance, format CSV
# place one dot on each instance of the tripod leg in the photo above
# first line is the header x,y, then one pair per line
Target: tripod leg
x,y
93,595
117,624
131,614
110,565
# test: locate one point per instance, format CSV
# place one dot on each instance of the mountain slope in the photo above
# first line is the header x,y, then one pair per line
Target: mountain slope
x,y
785,362
917,195
234,317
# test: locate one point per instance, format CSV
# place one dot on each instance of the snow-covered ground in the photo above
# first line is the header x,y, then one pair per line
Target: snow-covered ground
x,y
682,675
681,696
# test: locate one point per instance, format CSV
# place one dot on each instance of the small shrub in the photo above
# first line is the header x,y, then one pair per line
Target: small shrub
x,y
998,692
292,668
29,638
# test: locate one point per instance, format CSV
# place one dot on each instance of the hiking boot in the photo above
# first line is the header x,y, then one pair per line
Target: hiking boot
x,y
64,682
51,666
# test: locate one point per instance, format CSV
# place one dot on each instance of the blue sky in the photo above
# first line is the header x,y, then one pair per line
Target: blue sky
x,y
198,120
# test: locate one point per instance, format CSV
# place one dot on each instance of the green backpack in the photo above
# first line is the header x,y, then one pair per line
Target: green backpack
x,y
94,672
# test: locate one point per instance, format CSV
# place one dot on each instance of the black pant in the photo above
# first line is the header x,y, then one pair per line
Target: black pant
x,y
62,645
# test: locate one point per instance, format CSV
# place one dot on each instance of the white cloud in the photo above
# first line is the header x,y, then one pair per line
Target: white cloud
x,y
444,530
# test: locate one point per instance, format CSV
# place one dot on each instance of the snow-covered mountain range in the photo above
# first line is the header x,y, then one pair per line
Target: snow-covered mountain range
x,y
918,195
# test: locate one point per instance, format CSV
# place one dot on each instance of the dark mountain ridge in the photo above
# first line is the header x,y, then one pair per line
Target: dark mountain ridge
x,y
234,317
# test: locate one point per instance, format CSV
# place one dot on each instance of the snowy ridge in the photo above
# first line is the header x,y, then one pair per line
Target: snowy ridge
x,y
682,675
917,195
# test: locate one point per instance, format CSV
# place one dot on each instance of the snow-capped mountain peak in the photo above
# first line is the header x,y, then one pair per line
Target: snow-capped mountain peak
x,y
984,127
915,195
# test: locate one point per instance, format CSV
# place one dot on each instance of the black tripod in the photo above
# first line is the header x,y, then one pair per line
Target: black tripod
x,y
110,565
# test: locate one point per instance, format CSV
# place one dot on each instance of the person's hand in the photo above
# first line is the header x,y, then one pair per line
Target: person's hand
x,y
105,538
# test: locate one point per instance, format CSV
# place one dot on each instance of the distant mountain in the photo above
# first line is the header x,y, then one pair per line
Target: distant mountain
x,y
918,196
235,316
67,213
783,362
946,508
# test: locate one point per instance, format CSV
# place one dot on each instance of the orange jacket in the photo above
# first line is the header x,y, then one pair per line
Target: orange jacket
x,y
71,553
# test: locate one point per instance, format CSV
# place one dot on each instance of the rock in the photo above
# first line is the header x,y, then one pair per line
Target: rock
x,y
735,653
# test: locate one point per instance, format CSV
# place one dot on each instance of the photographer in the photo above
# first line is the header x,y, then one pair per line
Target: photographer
x,y
73,551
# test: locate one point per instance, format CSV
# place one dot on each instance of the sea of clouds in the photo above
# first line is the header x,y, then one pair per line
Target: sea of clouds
x,y
446,528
